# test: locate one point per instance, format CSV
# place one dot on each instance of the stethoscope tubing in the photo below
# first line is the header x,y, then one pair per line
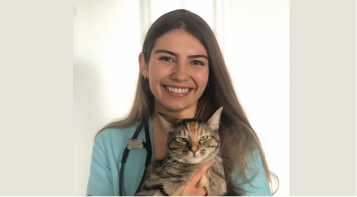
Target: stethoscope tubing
x,y
146,145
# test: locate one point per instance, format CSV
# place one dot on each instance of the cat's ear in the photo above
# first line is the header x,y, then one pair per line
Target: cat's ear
x,y
213,122
168,122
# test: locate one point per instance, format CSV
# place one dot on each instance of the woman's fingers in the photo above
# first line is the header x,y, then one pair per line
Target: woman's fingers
x,y
193,191
200,172
201,191
190,188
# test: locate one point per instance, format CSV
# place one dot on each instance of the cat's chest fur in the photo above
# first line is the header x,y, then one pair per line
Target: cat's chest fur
x,y
167,177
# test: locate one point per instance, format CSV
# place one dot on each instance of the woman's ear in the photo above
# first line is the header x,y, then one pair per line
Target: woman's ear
x,y
143,67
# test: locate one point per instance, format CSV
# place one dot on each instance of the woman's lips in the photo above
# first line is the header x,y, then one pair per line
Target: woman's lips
x,y
177,94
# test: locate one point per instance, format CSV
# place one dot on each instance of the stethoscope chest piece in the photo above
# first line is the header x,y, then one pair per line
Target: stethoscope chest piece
x,y
135,143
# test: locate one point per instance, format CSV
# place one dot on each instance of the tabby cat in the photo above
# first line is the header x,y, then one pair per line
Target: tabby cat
x,y
191,142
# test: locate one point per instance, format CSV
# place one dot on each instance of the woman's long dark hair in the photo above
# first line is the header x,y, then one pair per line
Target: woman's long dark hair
x,y
237,135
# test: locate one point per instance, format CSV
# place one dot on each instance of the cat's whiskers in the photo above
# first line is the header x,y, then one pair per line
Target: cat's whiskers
x,y
168,162
172,160
177,160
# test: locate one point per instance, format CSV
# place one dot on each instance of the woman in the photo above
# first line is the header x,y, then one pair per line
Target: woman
x,y
183,75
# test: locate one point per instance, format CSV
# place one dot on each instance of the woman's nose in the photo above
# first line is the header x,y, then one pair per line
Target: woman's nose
x,y
180,71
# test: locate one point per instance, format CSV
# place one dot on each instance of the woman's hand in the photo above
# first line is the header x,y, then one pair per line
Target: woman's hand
x,y
190,188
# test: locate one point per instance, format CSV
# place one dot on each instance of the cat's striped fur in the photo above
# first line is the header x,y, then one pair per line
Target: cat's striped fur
x,y
188,149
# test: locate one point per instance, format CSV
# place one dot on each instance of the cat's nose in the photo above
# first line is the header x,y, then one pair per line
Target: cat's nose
x,y
194,149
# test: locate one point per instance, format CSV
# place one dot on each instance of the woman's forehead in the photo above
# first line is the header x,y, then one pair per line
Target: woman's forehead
x,y
180,42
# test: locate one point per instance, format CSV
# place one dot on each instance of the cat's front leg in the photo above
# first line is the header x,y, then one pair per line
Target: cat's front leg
x,y
218,186
159,193
217,180
174,187
204,182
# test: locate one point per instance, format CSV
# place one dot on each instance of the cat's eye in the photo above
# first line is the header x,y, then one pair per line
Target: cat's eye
x,y
182,139
203,138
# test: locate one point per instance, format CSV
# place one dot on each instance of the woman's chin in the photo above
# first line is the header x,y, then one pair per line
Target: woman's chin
x,y
180,106
176,107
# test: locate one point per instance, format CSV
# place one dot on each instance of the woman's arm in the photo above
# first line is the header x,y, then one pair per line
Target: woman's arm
x,y
100,181
257,178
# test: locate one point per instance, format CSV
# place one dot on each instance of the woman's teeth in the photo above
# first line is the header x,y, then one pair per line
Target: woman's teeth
x,y
177,90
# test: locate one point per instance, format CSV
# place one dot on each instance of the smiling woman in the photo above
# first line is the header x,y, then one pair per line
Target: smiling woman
x,y
182,75
178,73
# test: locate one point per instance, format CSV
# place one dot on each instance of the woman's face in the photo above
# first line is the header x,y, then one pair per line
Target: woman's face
x,y
178,71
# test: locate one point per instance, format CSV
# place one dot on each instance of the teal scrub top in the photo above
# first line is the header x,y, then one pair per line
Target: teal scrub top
x,y
107,152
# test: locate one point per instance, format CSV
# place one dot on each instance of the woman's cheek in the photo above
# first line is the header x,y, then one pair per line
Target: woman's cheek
x,y
160,71
202,78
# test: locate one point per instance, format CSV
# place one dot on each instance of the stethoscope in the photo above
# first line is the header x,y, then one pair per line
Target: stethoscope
x,y
136,143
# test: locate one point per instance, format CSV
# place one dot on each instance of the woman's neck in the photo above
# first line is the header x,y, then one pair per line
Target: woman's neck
x,y
189,112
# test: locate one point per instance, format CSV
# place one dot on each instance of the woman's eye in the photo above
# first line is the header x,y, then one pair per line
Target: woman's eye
x,y
167,59
197,63
182,139
204,138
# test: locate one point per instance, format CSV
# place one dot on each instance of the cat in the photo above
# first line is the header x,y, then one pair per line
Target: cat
x,y
190,143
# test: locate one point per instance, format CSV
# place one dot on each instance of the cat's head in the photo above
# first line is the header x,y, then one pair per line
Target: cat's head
x,y
192,140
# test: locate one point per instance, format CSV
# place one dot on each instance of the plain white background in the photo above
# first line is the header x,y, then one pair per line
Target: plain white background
x,y
107,39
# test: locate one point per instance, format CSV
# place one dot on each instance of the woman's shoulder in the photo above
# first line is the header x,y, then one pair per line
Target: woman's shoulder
x,y
118,132
111,142
117,137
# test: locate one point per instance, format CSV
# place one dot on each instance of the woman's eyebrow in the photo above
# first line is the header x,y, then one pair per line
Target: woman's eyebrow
x,y
166,51
176,55
197,56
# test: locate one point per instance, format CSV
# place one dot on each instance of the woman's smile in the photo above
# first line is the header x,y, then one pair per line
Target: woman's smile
x,y
177,91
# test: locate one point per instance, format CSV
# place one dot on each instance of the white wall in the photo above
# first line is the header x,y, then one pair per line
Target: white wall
x,y
106,44
256,45
254,36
